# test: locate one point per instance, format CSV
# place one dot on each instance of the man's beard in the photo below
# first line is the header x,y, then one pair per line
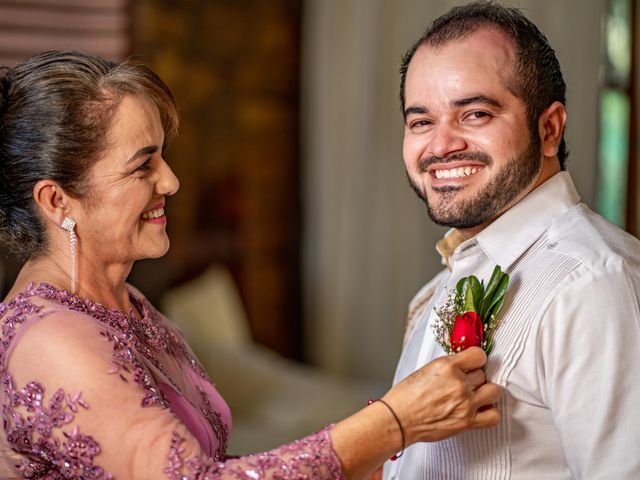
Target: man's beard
x,y
494,197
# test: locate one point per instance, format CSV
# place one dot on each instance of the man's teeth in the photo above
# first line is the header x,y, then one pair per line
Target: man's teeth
x,y
457,172
153,214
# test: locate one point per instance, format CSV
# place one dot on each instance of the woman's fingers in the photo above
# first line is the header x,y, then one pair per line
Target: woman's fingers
x,y
469,359
475,378
486,395
479,410
445,397
488,417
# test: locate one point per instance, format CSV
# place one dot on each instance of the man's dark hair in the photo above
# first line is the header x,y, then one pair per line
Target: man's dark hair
x,y
536,80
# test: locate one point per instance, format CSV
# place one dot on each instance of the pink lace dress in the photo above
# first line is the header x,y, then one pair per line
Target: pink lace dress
x,y
93,393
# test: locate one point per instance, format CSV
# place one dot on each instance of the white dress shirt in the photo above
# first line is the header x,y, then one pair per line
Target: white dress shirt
x,y
566,354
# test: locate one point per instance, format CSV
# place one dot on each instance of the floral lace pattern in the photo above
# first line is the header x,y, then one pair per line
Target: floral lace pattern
x,y
30,422
146,336
126,364
220,429
129,337
32,434
310,458
50,448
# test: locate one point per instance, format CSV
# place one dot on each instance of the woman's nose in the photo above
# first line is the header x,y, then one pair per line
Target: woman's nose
x,y
168,183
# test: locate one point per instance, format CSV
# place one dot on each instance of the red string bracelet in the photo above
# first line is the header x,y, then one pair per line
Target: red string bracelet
x,y
397,456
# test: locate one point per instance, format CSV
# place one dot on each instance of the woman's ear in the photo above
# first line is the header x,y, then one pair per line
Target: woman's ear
x,y
551,127
51,200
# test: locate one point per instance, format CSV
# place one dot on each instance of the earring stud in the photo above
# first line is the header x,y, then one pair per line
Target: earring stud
x,y
69,224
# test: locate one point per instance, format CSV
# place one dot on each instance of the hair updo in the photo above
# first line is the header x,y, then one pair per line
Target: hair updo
x,y
55,111
6,78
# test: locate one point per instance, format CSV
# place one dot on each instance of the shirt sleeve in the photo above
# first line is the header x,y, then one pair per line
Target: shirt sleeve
x,y
588,358
69,414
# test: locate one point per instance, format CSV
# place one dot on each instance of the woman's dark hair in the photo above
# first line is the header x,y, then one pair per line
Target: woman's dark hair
x,y
55,111
537,79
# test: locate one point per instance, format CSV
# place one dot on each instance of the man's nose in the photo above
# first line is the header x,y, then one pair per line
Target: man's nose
x,y
445,140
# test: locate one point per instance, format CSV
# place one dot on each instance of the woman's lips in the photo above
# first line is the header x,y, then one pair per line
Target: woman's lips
x,y
155,215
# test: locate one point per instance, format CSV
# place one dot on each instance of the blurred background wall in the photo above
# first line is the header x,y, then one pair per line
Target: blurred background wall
x,y
292,182
368,243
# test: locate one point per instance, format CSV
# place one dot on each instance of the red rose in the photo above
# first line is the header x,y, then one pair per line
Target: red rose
x,y
468,331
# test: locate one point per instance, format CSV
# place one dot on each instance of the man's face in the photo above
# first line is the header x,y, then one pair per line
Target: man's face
x,y
467,147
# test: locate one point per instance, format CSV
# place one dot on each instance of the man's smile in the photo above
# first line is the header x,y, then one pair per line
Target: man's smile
x,y
458,172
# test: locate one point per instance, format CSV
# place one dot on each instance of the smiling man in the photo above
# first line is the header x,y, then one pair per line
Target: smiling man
x,y
483,100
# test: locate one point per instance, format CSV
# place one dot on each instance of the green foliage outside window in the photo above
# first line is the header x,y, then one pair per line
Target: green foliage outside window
x,y
613,155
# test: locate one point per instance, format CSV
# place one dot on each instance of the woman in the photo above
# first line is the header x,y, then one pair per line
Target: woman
x,y
96,383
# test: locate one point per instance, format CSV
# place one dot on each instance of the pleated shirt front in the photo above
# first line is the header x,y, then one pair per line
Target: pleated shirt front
x,y
565,353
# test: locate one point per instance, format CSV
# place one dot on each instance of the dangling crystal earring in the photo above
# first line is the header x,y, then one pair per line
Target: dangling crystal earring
x,y
69,224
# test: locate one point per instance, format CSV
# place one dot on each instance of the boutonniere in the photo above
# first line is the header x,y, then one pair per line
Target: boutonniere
x,y
469,316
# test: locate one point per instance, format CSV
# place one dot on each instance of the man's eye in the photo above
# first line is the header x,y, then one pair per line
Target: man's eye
x,y
477,115
420,124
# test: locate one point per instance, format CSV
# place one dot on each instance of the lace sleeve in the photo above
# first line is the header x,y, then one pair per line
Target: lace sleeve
x,y
67,415
310,458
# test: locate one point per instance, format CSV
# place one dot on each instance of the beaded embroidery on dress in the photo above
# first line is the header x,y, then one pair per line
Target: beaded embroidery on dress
x,y
29,421
49,441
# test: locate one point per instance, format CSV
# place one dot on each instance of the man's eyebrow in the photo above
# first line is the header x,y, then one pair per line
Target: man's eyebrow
x,y
482,99
150,150
415,111
462,102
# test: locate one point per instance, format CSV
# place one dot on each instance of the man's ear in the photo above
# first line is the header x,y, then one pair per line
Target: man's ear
x,y
551,126
51,200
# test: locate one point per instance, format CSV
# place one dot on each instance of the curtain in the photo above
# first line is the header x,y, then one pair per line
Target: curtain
x,y
97,26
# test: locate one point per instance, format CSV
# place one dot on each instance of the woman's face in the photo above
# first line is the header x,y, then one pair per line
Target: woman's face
x,y
121,218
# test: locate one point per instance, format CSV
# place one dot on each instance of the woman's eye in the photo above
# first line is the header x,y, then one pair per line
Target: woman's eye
x,y
144,166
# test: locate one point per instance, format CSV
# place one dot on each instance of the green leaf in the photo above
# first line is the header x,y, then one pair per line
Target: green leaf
x,y
493,311
473,291
489,345
460,286
502,288
469,301
484,305
477,289
498,296
496,276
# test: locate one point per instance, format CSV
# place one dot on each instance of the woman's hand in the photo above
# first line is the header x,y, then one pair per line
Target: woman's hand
x,y
445,397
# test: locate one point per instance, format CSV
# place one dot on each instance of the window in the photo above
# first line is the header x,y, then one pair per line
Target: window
x,y
617,156
32,26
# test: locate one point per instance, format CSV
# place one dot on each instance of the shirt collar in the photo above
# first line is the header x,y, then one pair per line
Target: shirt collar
x,y
447,245
505,239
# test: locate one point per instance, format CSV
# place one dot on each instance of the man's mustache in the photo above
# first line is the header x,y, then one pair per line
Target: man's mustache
x,y
480,157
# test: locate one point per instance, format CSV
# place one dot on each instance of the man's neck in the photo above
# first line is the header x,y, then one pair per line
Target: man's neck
x,y
550,166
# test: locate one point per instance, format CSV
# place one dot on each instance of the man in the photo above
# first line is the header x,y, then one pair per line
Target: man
x,y
484,107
